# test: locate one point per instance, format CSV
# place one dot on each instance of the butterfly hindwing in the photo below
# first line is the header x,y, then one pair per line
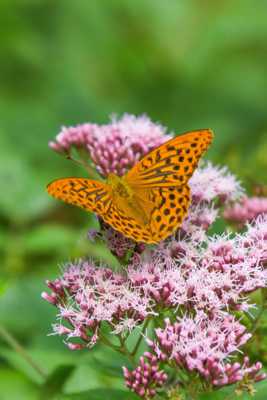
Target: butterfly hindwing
x,y
121,220
89,194
172,163
166,209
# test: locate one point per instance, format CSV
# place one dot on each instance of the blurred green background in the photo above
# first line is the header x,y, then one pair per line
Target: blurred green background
x,y
186,63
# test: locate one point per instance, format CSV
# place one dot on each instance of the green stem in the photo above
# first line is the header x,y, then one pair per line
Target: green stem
x,y
121,349
261,310
126,351
21,351
136,347
85,161
108,343
257,320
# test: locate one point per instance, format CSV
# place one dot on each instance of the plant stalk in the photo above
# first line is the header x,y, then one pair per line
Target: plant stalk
x,y
15,345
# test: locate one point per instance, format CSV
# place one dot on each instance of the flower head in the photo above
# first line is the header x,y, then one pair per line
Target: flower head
x,y
209,182
203,344
87,295
115,147
210,188
246,210
146,378
181,276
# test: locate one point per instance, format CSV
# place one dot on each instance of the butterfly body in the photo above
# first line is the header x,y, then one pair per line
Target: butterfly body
x,y
150,201
119,186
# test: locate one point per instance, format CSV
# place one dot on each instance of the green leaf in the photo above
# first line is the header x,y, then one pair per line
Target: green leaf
x,y
21,307
55,381
101,394
88,376
49,360
50,238
85,377
3,286
109,362
21,197
261,390
13,386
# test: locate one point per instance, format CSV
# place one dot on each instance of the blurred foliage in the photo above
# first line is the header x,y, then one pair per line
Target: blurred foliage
x,y
188,64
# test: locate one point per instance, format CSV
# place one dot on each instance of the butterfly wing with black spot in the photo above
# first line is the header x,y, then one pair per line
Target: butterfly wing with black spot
x,y
89,194
169,211
172,163
125,220
160,179
166,209
97,197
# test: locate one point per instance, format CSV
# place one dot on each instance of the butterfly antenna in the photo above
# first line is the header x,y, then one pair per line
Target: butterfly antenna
x,y
69,157
91,171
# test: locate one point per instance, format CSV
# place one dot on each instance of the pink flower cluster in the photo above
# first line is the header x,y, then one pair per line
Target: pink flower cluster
x,y
210,182
197,280
180,277
87,295
146,378
202,343
211,187
213,276
115,147
246,210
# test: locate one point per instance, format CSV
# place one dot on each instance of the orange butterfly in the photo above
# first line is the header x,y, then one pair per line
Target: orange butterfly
x,y
149,202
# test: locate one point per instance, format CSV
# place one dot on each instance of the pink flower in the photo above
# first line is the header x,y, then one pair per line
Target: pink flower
x,y
255,239
210,188
203,344
87,295
209,182
147,378
248,209
200,217
233,373
119,245
115,147
184,275
213,275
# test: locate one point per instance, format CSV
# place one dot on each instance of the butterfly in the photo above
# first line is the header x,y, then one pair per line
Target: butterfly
x,y
150,201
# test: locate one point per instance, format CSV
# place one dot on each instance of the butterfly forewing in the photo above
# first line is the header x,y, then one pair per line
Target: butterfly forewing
x,y
173,163
97,197
89,194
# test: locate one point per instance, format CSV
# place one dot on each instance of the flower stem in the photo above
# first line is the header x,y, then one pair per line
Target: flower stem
x,y
121,349
141,336
257,320
261,310
126,351
21,351
108,343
